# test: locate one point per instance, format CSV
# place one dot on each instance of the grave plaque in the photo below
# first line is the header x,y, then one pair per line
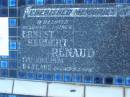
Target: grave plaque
x,y
92,39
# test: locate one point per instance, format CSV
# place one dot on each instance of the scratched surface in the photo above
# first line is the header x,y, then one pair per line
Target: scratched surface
x,y
81,39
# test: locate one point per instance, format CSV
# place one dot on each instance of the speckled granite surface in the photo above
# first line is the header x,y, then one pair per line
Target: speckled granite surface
x,y
79,39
